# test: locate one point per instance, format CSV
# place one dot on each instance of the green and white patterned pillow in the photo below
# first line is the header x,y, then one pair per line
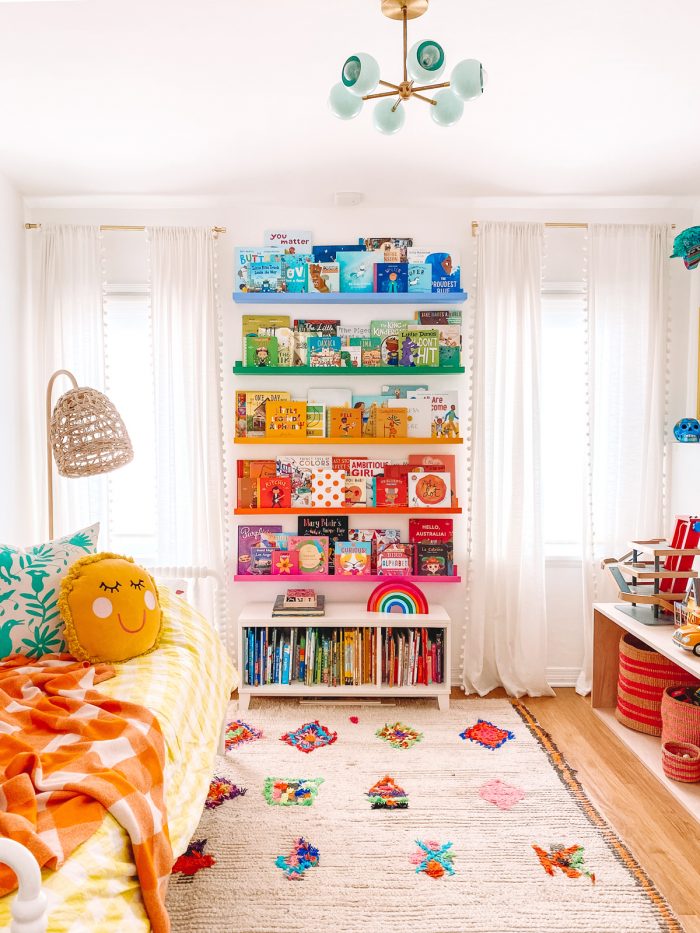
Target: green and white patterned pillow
x,y
30,582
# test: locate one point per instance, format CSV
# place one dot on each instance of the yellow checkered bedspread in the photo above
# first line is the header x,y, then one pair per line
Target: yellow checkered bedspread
x,y
186,683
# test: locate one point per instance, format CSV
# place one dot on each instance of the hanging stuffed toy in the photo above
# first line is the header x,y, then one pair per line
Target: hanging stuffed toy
x,y
687,245
110,609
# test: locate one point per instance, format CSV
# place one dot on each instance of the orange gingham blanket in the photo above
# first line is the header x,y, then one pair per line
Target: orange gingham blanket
x,y
69,753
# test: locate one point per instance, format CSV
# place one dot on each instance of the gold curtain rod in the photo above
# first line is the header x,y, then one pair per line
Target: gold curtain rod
x,y
566,226
215,230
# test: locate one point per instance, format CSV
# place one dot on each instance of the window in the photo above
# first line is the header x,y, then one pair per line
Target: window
x,y
563,417
129,355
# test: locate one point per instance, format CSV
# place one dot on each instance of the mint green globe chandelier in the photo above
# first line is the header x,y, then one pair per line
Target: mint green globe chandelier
x,y
423,65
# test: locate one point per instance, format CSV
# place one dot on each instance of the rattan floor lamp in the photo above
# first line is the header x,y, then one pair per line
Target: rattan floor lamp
x,y
85,435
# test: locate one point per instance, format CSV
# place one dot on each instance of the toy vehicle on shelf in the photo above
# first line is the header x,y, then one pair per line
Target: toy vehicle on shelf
x,y
688,638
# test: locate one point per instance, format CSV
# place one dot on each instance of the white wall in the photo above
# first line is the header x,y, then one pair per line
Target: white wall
x,y
13,492
449,225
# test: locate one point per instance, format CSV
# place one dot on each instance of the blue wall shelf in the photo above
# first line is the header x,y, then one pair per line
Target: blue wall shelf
x,y
350,298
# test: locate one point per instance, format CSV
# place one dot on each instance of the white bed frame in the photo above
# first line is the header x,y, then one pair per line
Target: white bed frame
x,y
29,908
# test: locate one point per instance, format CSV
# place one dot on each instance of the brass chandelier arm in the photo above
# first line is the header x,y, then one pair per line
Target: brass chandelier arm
x,y
428,100
405,44
381,94
389,84
430,87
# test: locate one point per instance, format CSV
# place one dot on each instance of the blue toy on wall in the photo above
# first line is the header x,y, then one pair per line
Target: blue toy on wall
x,y
687,245
687,431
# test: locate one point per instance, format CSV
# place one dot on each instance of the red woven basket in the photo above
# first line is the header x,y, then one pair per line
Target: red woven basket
x,y
644,675
680,721
681,761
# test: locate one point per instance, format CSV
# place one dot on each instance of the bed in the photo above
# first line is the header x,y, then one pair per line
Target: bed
x,y
186,683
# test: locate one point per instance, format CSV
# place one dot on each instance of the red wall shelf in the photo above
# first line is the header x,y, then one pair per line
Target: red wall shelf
x,y
339,578
349,511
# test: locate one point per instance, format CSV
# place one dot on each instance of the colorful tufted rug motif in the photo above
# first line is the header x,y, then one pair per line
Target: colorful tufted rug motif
x,y
498,836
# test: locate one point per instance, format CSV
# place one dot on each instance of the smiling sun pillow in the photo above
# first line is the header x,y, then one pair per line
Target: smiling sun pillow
x,y
110,609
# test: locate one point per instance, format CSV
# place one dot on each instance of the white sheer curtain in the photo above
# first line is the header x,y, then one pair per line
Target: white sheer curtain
x,y
188,388
505,635
627,386
69,334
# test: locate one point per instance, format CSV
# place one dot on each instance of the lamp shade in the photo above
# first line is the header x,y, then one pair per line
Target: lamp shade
x,y
426,61
386,119
448,108
360,74
343,103
468,79
87,434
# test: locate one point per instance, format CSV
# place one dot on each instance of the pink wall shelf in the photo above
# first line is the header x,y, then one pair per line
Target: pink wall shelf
x,y
332,578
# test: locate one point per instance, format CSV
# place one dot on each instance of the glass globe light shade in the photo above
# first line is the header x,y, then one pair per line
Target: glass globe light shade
x,y
385,120
344,104
360,74
468,79
448,109
426,61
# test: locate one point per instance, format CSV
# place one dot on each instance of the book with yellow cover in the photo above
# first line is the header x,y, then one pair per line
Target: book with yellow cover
x,y
255,409
391,422
344,422
285,419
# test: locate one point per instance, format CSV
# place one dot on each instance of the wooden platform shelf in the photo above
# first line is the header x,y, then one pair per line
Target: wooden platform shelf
x,y
357,441
348,615
350,298
347,372
281,579
356,510
609,624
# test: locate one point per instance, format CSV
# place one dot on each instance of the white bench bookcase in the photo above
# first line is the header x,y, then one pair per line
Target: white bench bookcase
x,y
609,624
347,615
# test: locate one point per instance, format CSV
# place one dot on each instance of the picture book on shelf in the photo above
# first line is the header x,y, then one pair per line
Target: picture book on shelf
x,y
370,350
444,414
244,256
366,468
300,469
323,351
436,317
344,422
440,463
290,242
284,610
395,249
315,420
392,422
263,325
285,420
241,425
312,551
420,277
357,270
433,531
261,351
351,357
323,277
390,493
330,253
284,562
419,347
432,560
393,391
260,560
355,492
317,328
347,332
445,269
353,558
255,468
388,328
417,413
395,560
390,277
274,492
334,527
379,538
255,407
266,276
295,271
429,490
327,489
331,396
250,536
301,597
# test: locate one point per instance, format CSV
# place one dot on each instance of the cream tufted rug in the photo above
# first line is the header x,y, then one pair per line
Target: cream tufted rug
x,y
494,840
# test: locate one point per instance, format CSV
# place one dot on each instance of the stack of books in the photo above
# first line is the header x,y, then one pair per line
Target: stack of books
x,y
299,602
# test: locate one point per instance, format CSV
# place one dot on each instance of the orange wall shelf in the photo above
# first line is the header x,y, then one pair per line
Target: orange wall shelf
x,y
348,440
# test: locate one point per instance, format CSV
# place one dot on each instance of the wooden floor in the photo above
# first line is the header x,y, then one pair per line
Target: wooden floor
x,y
660,833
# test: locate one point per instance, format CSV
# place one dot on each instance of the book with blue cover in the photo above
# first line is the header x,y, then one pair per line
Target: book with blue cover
x,y
420,277
357,270
244,256
445,272
324,351
329,253
295,272
266,276
391,277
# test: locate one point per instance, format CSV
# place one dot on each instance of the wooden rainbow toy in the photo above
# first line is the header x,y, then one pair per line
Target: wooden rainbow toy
x,y
400,597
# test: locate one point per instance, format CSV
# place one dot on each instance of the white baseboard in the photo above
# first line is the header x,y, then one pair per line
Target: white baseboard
x,y
556,677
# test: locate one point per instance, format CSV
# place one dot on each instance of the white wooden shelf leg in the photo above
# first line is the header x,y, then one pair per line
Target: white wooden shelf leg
x,y
443,702
29,906
243,701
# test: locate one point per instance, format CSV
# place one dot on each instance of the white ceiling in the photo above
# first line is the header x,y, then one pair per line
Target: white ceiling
x,y
198,97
